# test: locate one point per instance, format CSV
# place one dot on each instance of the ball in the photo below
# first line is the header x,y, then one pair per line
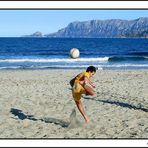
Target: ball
x,y
74,53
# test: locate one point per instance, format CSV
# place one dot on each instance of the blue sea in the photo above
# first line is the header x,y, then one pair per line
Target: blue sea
x,y
53,53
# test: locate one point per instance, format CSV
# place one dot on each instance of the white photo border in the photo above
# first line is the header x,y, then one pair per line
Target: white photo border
x,y
129,5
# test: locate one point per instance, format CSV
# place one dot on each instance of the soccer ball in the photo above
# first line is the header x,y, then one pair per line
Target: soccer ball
x,y
74,53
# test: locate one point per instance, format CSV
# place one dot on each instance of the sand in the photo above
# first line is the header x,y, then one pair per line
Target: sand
x,y
39,104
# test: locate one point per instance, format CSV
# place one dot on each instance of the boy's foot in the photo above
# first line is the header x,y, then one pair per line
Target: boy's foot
x,y
87,120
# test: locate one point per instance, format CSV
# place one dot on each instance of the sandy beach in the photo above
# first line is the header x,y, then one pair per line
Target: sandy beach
x,y
39,104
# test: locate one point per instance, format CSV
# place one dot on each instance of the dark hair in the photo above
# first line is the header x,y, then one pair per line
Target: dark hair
x,y
91,69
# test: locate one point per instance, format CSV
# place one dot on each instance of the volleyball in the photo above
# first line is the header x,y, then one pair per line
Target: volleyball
x,y
74,53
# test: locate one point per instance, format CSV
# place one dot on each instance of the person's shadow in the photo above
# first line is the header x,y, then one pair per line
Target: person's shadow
x,y
118,103
23,116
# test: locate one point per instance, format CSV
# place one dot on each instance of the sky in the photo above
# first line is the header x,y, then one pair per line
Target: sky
x,y
15,23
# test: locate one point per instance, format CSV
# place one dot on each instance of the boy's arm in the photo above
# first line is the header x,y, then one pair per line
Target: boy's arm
x,y
86,80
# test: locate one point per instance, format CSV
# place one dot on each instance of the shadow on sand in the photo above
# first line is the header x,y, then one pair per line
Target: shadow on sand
x,y
22,116
118,103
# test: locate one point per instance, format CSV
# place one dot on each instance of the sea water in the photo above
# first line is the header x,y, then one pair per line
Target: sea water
x,y
53,53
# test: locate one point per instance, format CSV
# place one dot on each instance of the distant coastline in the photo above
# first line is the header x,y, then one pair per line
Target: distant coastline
x,y
113,28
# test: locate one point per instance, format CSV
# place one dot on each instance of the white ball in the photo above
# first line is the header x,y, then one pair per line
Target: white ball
x,y
74,53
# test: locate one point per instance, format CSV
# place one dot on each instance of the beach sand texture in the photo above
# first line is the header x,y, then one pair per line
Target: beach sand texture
x,y
39,104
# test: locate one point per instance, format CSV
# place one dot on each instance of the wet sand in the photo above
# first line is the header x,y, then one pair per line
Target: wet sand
x,y
39,104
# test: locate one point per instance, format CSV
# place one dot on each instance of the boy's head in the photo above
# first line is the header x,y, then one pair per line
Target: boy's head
x,y
91,70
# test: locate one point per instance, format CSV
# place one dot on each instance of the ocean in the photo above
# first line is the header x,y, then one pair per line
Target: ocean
x,y
54,53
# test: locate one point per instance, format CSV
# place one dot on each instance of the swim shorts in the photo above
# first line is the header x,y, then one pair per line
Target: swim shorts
x,y
77,91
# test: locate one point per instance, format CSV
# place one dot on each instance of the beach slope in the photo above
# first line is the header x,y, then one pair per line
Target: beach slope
x,y
39,104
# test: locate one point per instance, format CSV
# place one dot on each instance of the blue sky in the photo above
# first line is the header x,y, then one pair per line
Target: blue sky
x,y
15,23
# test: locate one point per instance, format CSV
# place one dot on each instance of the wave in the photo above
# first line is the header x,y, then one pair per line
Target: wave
x,y
98,67
141,53
12,67
127,65
70,67
100,59
51,67
127,58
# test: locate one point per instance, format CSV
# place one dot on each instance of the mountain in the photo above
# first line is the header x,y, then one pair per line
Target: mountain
x,y
113,28
36,34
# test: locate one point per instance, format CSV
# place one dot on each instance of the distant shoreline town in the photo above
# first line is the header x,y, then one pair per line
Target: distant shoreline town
x,y
112,28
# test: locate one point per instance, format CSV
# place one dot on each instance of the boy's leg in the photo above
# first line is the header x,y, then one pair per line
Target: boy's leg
x,y
81,109
89,90
77,91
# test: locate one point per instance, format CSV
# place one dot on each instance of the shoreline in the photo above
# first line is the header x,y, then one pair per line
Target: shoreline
x,y
75,69
39,103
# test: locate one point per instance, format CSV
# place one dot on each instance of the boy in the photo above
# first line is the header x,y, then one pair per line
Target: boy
x,y
82,85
